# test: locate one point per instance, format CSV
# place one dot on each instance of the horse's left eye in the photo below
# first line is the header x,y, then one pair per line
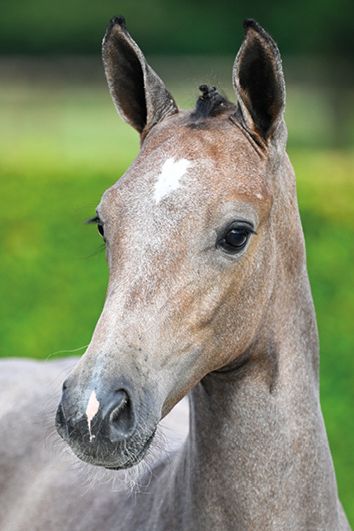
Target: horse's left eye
x,y
235,238
100,229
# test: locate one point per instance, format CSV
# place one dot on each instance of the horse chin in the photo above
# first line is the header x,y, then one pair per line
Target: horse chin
x,y
133,460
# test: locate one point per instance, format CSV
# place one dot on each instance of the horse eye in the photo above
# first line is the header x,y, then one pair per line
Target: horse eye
x,y
96,220
235,238
100,229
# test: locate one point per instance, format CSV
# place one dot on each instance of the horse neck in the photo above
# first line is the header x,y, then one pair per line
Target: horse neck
x,y
257,453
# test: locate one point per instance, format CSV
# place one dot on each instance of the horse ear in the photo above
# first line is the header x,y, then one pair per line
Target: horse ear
x,y
138,93
259,81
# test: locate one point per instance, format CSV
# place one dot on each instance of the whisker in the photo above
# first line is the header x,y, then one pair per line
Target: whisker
x,y
66,351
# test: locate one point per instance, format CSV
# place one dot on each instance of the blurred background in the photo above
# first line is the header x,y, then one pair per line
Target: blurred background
x,y
61,145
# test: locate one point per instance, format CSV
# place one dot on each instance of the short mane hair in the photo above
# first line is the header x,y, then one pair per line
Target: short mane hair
x,y
210,103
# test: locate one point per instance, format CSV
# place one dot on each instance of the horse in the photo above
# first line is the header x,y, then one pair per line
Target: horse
x,y
208,296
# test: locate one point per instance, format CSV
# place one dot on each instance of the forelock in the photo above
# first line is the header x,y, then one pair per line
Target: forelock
x,y
210,103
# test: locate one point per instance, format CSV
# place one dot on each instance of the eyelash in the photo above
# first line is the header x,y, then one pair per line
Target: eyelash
x,y
93,220
97,221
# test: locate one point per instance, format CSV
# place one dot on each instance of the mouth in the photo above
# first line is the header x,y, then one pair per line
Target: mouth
x,y
116,456
134,460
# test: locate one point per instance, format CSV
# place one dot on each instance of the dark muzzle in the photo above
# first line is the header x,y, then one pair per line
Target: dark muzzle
x,y
104,430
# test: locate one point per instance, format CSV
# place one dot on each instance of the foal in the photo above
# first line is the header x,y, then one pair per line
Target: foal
x,y
208,295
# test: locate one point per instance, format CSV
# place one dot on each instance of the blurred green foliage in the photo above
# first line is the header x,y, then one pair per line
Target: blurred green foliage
x,y
177,26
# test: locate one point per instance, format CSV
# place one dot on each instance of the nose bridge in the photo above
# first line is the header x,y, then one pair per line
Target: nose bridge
x,y
118,328
122,347
133,318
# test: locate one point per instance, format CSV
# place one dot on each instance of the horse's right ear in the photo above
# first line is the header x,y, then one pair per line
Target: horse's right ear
x,y
138,93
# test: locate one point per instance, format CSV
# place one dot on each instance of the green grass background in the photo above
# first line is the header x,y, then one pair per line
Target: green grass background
x,y
61,145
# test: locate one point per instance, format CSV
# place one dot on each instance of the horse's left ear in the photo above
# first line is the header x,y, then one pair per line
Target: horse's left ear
x,y
259,81
138,93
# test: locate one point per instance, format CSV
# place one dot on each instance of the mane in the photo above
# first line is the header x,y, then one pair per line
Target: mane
x,y
210,103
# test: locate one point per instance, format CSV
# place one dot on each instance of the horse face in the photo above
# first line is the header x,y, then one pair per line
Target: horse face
x,y
190,249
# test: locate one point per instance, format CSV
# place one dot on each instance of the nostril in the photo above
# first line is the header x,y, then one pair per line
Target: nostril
x,y
60,415
118,410
60,421
121,418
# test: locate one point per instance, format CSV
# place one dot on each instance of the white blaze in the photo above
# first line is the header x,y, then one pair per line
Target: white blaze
x,y
170,177
91,410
